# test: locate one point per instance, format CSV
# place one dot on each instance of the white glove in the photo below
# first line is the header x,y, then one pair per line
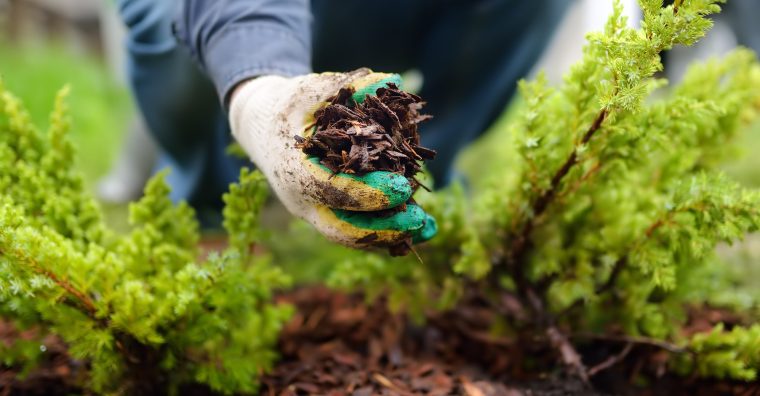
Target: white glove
x,y
265,115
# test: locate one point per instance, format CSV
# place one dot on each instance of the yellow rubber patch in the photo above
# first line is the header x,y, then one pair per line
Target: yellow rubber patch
x,y
342,192
359,236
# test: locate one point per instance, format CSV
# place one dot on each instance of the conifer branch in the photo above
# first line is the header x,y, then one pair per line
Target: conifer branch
x,y
83,301
513,260
540,204
82,298
617,269
622,262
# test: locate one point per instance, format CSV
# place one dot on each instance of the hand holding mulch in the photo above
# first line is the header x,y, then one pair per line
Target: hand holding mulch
x,y
358,135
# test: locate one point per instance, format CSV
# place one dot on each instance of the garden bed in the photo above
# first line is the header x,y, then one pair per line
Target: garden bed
x,y
336,344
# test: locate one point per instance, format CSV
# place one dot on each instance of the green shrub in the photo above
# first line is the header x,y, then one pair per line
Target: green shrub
x,y
606,220
603,225
144,311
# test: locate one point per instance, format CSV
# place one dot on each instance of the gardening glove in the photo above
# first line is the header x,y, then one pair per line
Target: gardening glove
x,y
265,115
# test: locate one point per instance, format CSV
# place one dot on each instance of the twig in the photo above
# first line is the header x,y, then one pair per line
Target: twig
x,y
426,188
577,185
411,247
652,228
520,242
514,258
86,302
670,347
557,339
611,361
543,201
569,355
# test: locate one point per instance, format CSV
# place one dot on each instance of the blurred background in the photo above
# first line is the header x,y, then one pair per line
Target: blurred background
x,y
46,44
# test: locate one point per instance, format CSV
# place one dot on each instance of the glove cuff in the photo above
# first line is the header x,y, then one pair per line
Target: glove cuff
x,y
253,108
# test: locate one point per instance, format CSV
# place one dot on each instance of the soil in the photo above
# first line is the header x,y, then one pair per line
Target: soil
x,y
336,344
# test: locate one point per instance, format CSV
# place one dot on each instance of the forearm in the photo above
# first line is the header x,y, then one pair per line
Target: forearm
x,y
235,40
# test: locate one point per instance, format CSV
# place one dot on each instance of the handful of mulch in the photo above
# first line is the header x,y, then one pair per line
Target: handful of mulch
x,y
379,134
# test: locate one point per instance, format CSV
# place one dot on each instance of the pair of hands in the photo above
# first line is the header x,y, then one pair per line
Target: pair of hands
x,y
265,115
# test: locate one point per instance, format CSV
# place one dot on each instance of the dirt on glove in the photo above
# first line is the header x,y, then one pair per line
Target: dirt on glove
x,y
379,134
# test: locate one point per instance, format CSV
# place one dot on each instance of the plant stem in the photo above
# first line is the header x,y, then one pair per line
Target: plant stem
x,y
617,268
516,255
611,361
540,204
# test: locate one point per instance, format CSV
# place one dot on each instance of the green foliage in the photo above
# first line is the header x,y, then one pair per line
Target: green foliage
x,y
145,310
608,215
601,215
724,354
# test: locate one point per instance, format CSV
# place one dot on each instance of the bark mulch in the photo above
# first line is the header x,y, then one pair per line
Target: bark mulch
x,y
379,134
336,344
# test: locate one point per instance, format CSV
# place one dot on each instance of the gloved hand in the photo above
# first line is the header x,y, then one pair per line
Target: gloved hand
x,y
265,115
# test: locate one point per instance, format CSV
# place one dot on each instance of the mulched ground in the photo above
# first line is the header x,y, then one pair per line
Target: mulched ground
x,y
56,375
338,345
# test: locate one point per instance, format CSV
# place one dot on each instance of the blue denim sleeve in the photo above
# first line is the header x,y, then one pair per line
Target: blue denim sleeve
x,y
233,40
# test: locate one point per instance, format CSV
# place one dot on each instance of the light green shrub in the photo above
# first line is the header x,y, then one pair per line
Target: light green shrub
x,y
608,218
145,310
